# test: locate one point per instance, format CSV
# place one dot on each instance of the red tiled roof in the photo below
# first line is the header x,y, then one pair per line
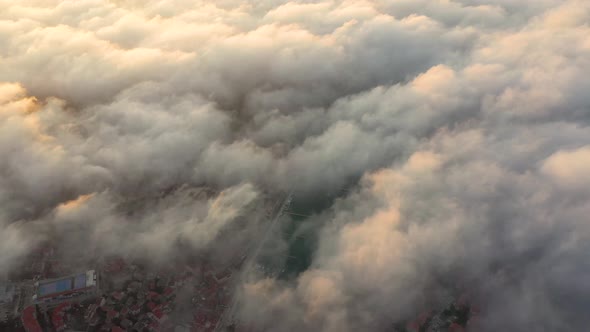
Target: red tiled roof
x,y
112,314
57,316
456,328
168,291
29,320
158,313
135,308
151,306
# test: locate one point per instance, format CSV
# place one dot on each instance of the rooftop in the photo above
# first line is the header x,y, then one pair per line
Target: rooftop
x,y
66,284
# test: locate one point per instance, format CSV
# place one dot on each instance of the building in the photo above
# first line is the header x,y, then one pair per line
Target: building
x,y
29,320
58,316
78,287
14,297
8,294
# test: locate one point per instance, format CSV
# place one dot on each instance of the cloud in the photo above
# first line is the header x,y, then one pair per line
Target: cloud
x,y
457,129
567,168
178,222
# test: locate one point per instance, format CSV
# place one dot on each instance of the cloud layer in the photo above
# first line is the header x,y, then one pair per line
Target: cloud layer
x,y
460,127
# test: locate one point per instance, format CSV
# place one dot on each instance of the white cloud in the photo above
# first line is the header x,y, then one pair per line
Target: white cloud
x,y
461,125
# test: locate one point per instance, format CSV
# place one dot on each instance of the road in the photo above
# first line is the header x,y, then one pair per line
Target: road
x,y
229,312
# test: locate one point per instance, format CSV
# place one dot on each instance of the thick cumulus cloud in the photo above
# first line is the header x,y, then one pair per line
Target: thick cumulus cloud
x,y
460,126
